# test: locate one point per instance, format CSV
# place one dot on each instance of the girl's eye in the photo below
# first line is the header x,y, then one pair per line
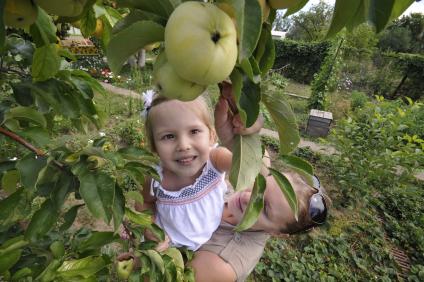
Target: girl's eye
x,y
168,136
195,131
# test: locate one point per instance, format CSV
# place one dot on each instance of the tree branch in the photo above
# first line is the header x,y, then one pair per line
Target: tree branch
x,y
26,144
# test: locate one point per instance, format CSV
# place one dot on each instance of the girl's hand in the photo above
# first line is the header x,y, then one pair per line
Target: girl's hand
x,y
162,245
227,119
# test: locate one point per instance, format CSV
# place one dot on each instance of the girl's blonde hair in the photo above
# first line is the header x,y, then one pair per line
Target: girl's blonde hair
x,y
199,106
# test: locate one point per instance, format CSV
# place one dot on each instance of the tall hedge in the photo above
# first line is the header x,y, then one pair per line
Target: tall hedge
x,y
299,60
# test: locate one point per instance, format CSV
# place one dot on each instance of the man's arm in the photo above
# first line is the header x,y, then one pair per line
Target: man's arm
x,y
209,267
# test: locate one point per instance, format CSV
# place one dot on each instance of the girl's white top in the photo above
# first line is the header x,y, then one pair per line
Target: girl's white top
x,y
190,215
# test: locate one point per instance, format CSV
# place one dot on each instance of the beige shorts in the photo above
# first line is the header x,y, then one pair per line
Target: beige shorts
x,y
242,250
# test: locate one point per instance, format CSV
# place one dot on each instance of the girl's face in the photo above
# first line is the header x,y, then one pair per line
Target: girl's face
x,y
276,214
182,139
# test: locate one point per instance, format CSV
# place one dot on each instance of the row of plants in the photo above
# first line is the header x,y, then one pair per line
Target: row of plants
x,y
376,201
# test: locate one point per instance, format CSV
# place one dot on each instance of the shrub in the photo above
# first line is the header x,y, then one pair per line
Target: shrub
x,y
358,99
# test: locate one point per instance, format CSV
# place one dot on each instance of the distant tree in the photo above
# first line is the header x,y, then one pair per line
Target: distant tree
x,y
280,23
362,37
311,25
397,39
404,35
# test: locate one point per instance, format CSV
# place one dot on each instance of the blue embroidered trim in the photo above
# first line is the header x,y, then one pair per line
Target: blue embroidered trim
x,y
204,181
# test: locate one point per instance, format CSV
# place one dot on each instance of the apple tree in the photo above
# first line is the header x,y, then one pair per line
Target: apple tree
x,y
202,43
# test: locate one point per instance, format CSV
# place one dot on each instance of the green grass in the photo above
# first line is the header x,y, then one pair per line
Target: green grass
x,y
298,88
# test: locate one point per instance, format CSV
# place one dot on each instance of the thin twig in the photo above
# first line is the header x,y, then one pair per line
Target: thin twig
x,y
26,144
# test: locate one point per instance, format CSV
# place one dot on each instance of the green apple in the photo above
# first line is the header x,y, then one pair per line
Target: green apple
x,y
171,85
19,13
282,4
64,8
99,28
201,42
124,268
58,249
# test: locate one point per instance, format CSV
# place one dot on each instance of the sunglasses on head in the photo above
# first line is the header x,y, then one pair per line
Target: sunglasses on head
x,y
317,204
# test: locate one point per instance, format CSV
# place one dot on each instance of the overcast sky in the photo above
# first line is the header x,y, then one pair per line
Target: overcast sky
x,y
416,7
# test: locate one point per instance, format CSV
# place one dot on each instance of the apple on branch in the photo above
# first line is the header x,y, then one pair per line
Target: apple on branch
x,y
170,85
19,13
201,43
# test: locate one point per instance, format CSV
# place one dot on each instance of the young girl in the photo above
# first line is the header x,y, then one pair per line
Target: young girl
x,y
189,199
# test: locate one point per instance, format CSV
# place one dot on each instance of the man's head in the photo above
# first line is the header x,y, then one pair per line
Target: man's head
x,y
277,216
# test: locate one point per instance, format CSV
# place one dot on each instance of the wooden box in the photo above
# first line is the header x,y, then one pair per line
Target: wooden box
x,y
319,123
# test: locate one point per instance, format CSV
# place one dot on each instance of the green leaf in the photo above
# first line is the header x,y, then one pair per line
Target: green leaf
x,y
295,8
42,221
284,120
38,135
22,94
7,165
43,31
92,82
249,22
98,191
255,206
343,13
27,114
88,22
96,240
161,8
15,207
46,62
85,267
9,260
118,207
287,190
69,217
268,57
176,256
141,218
399,7
66,184
247,161
247,95
300,166
12,244
29,167
138,154
128,41
360,16
156,259
379,13
251,69
10,181
136,16
136,196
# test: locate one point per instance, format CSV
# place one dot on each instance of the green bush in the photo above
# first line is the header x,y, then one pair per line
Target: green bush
x,y
381,147
298,60
358,99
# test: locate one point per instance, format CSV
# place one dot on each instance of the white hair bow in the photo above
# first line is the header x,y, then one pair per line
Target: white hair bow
x,y
147,102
